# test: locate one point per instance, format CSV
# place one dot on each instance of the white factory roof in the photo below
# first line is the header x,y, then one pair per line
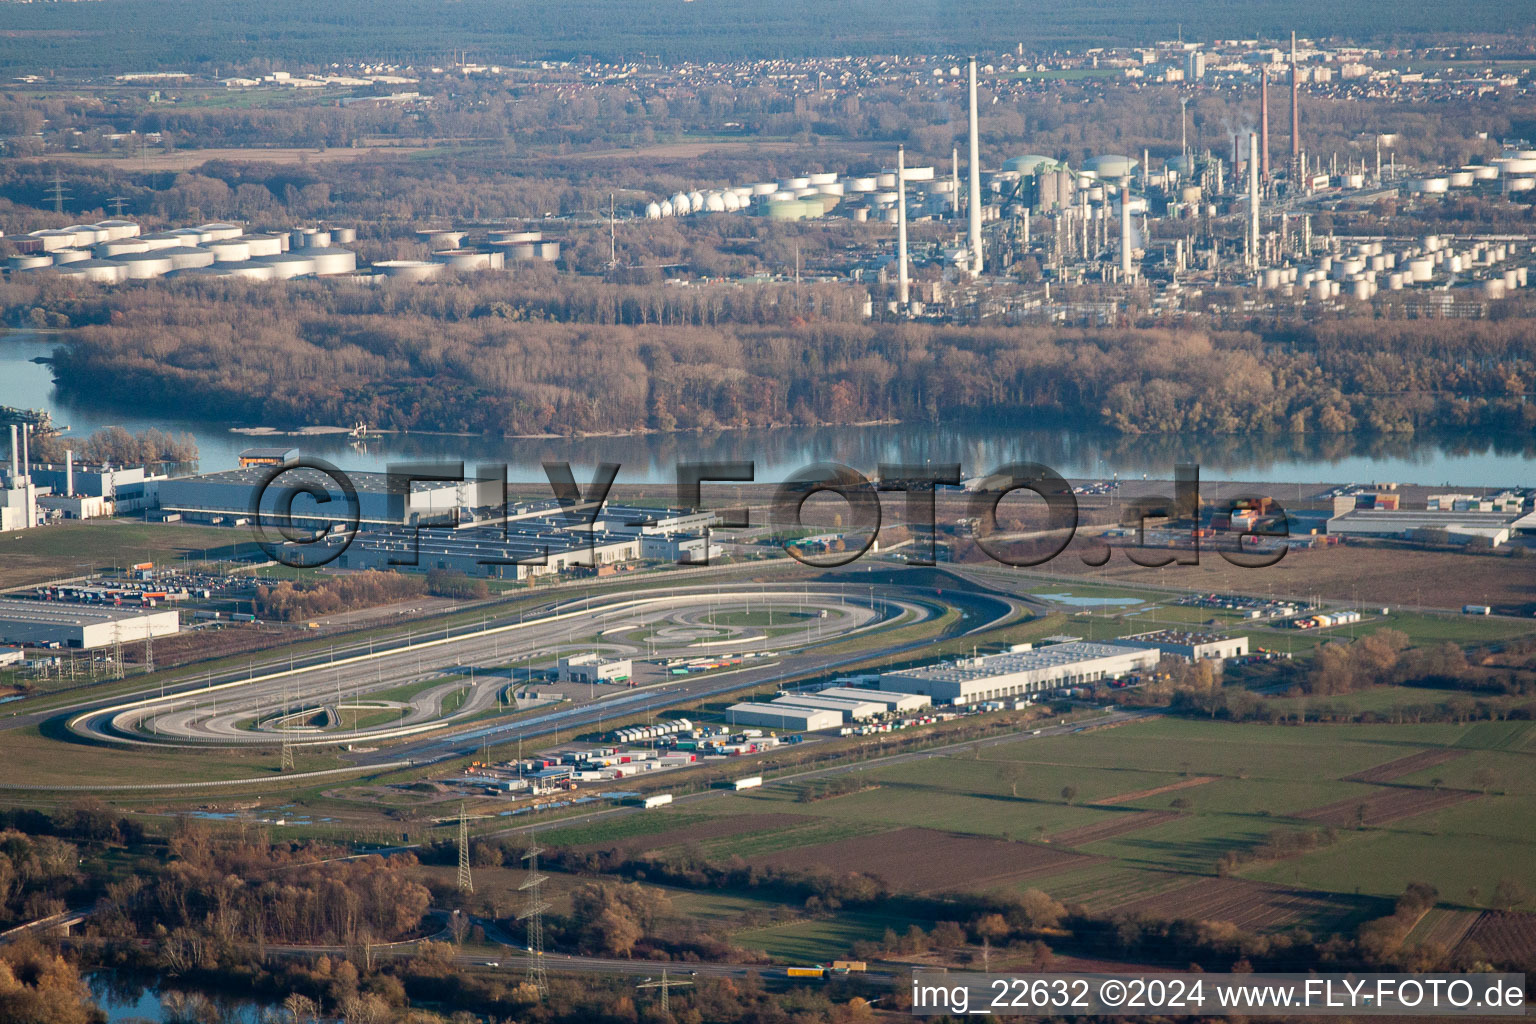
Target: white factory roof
x,y
889,698
1386,520
1054,656
64,613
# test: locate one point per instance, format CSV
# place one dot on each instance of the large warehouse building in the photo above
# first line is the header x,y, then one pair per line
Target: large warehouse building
x,y
892,701
1021,673
780,716
1188,645
852,710
44,623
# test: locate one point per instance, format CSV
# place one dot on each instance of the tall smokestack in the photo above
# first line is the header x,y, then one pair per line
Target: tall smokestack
x,y
26,456
975,190
1125,228
69,472
902,286
1295,106
1253,200
1264,125
15,458
954,180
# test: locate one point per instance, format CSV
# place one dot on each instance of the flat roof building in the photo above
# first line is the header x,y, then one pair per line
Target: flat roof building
x,y
1020,673
516,551
894,702
80,626
779,716
856,710
1493,528
594,668
1189,645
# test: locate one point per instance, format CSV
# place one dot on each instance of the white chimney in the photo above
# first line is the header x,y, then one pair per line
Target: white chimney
x,y
69,472
954,179
975,190
1253,200
1125,229
26,457
15,457
903,300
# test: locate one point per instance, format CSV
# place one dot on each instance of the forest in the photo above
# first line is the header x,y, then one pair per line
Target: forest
x,y
475,356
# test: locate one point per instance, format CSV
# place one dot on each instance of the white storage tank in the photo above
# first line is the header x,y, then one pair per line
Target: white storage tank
x,y
1320,290
1361,289
343,236
1521,184
863,185
187,257
410,270
192,236
695,201
732,202
548,252
262,245
28,261
120,247
918,174
95,271
161,240
822,178
220,230
1460,179
652,211
469,260
1487,173
117,229
512,237
1493,288
765,188
681,205
286,265
88,234
230,250
330,260
833,189
1395,282
58,238
714,203
1421,269
436,238
667,209
797,182
245,271
63,256
140,265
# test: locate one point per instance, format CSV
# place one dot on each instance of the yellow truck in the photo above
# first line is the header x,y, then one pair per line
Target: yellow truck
x,y
806,972
845,966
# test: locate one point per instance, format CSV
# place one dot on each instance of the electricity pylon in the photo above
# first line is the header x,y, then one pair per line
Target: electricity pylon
x,y
533,913
665,984
466,881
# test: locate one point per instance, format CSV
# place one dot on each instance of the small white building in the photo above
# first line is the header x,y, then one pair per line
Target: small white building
x,y
1189,645
852,710
594,668
893,701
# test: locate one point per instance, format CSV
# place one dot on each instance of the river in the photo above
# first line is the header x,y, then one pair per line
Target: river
x,y
1464,460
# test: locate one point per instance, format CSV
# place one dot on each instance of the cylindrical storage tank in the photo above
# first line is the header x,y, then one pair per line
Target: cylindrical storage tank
x,y
1521,184
161,240
1431,243
765,188
885,198
96,271
797,182
29,261
187,257
1320,290
521,251
1391,258
1460,179
785,209
229,250
1354,181
330,260
781,196
58,238
1511,279
652,211
861,214
117,229
410,270
510,237
862,185
833,189
1361,289
220,230
1429,186
822,177
1484,173
1454,264
1189,194
140,265
1378,263
246,271
918,174
1325,264
286,265
466,260
801,193
315,238
437,238
1271,278
1395,282
885,179
1522,275
1493,288
1334,287
63,256
548,252
192,236
343,236
88,234
262,245
120,247
1514,166
1421,269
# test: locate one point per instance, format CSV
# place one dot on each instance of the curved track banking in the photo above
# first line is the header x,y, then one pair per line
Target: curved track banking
x,y
242,712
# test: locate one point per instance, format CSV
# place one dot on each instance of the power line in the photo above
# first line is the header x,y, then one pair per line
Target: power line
x,y
57,193
664,984
466,880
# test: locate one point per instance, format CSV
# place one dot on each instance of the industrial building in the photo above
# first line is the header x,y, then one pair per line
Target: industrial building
x,y
47,623
852,709
82,491
1451,527
18,499
594,668
1020,673
785,717
893,702
215,497
1190,646
516,553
